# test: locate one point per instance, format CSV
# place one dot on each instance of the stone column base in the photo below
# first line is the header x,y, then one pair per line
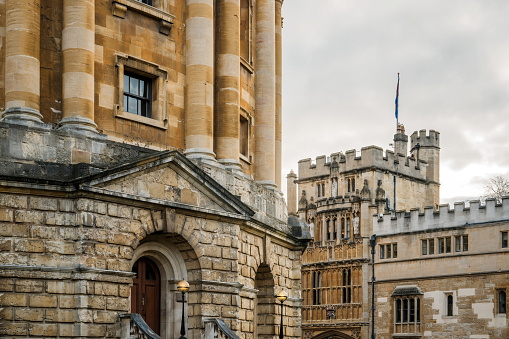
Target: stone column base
x,y
21,116
200,153
231,164
268,184
77,125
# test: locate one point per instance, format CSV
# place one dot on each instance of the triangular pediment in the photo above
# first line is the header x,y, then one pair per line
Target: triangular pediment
x,y
169,178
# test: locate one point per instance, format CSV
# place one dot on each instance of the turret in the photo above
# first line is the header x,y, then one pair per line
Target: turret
x,y
427,147
291,191
401,141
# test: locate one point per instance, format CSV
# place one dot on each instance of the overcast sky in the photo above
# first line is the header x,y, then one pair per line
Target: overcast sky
x,y
340,65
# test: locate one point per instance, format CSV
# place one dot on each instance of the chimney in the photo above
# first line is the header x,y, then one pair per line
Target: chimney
x,y
291,192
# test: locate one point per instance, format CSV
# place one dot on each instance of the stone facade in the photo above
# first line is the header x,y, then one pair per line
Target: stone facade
x,y
469,264
440,272
337,196
91,185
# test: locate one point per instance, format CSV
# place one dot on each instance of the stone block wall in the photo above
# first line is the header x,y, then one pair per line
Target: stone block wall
x,y
66,263
474,307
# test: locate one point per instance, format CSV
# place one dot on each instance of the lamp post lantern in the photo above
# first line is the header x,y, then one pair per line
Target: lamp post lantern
x,y
372,244
183,287
281,296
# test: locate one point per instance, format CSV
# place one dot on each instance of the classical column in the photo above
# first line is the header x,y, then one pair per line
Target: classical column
x,y
78,49
279,92
265,93
22,63
199,79
226,124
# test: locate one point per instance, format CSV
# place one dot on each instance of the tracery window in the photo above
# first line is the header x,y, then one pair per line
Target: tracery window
x,y
347,286
335,228
329,230
342,228
317,284
347,228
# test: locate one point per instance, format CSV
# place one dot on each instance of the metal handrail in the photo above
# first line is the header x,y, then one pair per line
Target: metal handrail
x,y
138,328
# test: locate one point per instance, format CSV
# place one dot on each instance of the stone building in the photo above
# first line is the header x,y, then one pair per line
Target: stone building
x,y
140,145
338,197
450,278
429,261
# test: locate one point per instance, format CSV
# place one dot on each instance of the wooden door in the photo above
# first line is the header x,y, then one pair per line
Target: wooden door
x,y
146,292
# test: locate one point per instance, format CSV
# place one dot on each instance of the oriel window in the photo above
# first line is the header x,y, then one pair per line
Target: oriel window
x,y
137,94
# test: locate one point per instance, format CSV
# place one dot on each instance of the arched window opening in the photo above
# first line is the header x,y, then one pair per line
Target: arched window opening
x,y
347,228
342,228
502,302
329,230
335,229
449,305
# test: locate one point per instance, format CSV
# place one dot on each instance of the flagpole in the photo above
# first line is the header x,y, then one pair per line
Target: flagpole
x,y
397,104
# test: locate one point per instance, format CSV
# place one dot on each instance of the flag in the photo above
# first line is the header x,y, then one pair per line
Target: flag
x,y
397,96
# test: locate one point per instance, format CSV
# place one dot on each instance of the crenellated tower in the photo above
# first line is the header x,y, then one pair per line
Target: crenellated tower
x,y
426,147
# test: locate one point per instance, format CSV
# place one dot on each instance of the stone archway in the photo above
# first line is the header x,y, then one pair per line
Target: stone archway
x,y
265,303
168,253
333,334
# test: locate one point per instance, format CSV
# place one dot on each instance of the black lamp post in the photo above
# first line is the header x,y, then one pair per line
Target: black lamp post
x,y
281,296
372,244
183,287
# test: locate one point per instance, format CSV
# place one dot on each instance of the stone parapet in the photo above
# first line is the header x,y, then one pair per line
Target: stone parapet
x,y
443,218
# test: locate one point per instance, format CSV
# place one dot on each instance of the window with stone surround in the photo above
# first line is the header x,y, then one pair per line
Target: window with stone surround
x,y
428,246
137,94
407,310
335,228
444,245
347,235
449,304
246,31
504,239
389,251
461,243
142,91
317,284
245,133
329,229
501,301
350,184
347,286
154,9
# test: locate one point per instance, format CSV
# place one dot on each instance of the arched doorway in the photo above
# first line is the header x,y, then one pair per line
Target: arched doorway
x,y
265,304
146,292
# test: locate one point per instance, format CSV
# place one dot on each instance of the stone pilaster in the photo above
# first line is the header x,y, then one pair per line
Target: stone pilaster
x,y
199,79
78,49
22,62
279,91
226,137
265,93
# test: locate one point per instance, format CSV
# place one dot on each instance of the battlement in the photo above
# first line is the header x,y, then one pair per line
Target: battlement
x,y
370,157
444,217
425,140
